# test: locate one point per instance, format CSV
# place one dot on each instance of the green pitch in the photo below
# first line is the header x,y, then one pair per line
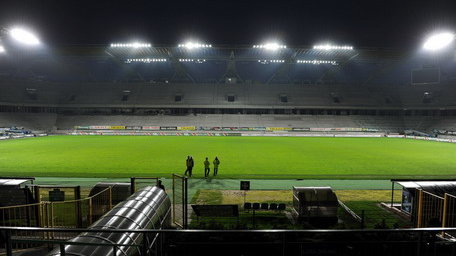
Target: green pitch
x,y
241,157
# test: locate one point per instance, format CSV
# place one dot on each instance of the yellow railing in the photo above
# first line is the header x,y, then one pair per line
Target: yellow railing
x,y
436,211
449,212
72,213
430,210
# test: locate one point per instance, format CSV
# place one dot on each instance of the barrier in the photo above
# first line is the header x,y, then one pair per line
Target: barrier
x,y
430,139
135,184
180,201
254,242
268,133
449,211
225,128
430,210
65,214
436,211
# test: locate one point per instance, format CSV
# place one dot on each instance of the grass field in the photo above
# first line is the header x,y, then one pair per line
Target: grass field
x,y
247,157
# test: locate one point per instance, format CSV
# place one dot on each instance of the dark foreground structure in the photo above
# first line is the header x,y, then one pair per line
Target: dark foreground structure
x,y
246,242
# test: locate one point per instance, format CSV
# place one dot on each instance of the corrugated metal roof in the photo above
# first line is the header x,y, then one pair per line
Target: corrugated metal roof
x,y
12,182
438,188
421,184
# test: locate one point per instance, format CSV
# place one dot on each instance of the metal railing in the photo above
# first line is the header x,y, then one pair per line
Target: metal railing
x,y
134,182
180,201
436,211
425,241
65,214
449,213
430,210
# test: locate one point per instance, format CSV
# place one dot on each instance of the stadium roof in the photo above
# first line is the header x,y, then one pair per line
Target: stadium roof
x,y
163,64
224,52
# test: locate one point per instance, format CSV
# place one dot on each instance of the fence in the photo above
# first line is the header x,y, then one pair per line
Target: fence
x,y
436,211
135,184
449,217
430,210
254,242
449,213
180,201
65,214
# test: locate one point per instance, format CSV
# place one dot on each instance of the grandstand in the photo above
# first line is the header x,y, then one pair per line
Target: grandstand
x,y
230,86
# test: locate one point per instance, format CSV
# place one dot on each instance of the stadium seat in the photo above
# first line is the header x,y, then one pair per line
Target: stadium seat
x,y
273,206
264,206
256,206
247,206
281,207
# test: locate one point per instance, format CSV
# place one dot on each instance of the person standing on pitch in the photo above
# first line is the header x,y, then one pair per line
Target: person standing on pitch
x,y
216,165
188,163
191,165
207,170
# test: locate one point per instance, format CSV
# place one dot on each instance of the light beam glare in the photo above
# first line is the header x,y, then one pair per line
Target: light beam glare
x,y
24,36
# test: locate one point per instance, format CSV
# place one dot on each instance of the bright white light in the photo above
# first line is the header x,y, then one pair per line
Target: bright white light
x,y
317,62
329,47
438,41
24,36
145,60
192,45
270,61
193,60
2,49
270,46
131,45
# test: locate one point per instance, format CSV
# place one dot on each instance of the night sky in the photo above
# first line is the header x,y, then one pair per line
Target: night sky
x,y
364,23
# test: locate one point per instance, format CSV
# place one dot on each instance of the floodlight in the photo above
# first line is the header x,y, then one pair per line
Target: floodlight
x,y
131,45
438,41
144,60
199,61
2,49
317,62
270,61
24,36
270,46
329,47
191,45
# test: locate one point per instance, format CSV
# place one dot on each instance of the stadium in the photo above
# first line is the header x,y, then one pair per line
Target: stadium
x,y
321,149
